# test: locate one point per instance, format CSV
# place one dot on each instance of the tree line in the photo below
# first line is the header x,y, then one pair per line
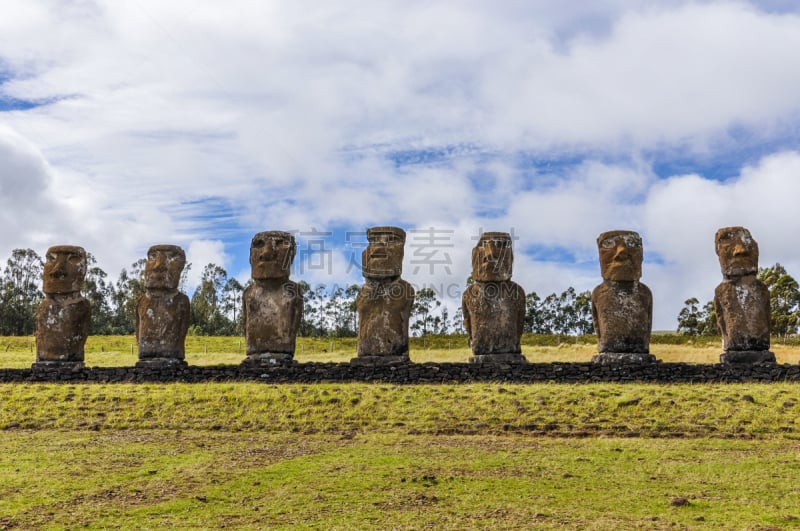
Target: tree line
x,y
695,319
216,304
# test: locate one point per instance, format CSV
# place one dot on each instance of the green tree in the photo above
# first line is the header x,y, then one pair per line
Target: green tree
x,y
534,317
694,320
689,318
341,311
583,324
123,296
232,293
98,292
207,314
313,323
423,319
784,297
21,292
458,321
569,313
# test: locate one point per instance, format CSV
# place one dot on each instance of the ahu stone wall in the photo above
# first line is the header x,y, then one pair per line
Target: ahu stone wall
x,y
419,373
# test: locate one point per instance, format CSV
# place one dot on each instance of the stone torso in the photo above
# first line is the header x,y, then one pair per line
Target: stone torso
x,y
743,313
623,315
384,309
163,320
61,329
272,313
494,315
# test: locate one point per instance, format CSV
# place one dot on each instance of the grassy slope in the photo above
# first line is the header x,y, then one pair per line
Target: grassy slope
x,y
367,455
117,351
163,479
350,456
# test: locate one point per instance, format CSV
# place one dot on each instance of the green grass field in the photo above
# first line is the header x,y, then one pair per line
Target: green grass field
x,y
356,456
120,351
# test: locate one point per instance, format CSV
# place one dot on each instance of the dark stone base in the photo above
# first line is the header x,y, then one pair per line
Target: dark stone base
x,y
420,373
747,356
380,361
495,359
160,362
612,358
268,359
65,366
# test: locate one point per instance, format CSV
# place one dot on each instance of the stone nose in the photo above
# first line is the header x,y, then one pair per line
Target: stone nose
x,y
268,250
160,263
59,267
739,249
621,252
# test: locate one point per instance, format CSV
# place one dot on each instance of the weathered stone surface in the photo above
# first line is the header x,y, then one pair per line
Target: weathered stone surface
x,y
162,312
273,304
622,307
62,319
613,358
747,356
384,301
405,373
493,305
741,301
743,315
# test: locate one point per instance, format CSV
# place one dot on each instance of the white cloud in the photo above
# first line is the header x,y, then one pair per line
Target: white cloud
x,y
683,213
199,254
286,112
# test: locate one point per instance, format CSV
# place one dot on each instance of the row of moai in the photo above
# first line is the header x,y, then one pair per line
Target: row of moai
x,y
493,305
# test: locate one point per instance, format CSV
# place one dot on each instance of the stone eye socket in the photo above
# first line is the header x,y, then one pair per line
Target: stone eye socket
x,y
52,257
74,259
258,243
608,244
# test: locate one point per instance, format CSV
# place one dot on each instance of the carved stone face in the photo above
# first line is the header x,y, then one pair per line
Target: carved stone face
x,y
383,257
737,251
621,255
271,255
64,269
492,257
163,267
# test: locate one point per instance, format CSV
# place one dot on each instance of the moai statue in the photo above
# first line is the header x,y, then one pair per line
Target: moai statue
x,y
385,300
273,304
741,300
622,307
493,305
162,312
62,319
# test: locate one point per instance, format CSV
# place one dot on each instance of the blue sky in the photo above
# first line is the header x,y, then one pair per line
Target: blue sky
x,y
126,124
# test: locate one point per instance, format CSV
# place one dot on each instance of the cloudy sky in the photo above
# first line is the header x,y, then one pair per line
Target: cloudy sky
x,y
129,123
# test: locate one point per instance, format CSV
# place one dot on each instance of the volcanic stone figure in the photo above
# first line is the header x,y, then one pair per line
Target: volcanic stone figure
x,y
741,300
62,319
622,307
273,304
162,312
385,300
493,305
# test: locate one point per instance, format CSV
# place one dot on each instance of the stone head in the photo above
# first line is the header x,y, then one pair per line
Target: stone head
x,y
737,251
383,257
64,269
621,255
271,255
164,267
492,257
